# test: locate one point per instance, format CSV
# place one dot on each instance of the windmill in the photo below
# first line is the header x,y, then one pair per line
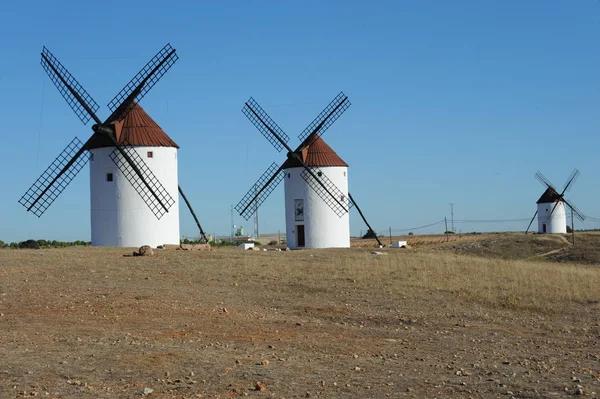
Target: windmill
x,y
317,200
130,205
551,211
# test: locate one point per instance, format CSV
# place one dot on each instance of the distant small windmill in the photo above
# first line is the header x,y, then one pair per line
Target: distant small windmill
x,y
119,216
317,200
551,212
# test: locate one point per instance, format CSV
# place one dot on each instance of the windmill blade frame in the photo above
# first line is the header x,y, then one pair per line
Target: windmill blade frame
x,y
139,175
279,139
74,94
542,179
265,125
53,181
575,210
326,118
141,83
571,180
333,191
267,182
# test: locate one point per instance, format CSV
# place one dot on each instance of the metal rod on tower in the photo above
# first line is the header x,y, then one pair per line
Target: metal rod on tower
x,y
232,225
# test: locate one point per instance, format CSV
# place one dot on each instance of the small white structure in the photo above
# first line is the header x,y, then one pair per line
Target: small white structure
x,y
245,246
310,222
555,223
399,244
119,215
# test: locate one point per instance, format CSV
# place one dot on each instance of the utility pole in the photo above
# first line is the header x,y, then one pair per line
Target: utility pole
x,y
232,225
390,234
573,226
446,231
452,215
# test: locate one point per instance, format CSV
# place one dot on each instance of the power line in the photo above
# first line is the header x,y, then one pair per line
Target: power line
x,y
492,220
465,221
420,227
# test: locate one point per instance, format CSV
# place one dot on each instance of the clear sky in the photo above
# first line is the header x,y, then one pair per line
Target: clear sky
x,y
452,102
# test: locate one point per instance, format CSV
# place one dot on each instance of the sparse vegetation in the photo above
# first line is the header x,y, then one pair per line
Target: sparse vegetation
x,y
369,234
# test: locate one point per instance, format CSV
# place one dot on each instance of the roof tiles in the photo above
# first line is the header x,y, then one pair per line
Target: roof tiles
x,y
136,129
317,153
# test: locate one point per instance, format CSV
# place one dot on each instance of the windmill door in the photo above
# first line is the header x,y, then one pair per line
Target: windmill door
x,y
544,228
300,231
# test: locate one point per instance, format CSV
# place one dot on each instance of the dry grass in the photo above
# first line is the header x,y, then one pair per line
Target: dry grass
x,y
91,323
513,246
417,241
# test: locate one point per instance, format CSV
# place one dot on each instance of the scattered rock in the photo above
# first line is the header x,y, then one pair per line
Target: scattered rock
x,y
264,362
378,253
148,391
259,387
145,250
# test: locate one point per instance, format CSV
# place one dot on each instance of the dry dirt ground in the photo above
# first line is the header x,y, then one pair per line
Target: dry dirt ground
x,y
92,323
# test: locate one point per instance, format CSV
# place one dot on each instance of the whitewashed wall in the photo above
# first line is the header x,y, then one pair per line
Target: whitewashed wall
x,y
322,226
558,221
119,215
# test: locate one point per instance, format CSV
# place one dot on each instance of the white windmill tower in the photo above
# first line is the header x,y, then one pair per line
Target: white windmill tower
x,y
130,157
309,220
551,207
119,215
317,199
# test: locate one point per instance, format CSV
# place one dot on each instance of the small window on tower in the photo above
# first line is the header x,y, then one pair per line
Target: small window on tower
x,y
344,173
109,177
288,175
91,157
150,154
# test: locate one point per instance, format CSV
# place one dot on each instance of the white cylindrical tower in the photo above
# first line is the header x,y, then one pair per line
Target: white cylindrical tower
x,y
555,223
119,215
310,222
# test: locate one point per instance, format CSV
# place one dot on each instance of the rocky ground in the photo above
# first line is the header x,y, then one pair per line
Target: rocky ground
x,y
91,323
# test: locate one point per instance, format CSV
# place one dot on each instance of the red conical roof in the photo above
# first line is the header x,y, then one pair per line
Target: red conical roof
x,y
317,153
136,129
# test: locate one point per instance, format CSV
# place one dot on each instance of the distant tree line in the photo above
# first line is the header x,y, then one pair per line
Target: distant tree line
x,y
37,244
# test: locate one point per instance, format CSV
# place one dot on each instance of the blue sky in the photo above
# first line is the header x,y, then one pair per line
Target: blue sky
x,y
452,101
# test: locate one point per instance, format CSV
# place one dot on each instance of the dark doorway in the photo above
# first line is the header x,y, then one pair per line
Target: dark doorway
x,y
544,228
300,231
